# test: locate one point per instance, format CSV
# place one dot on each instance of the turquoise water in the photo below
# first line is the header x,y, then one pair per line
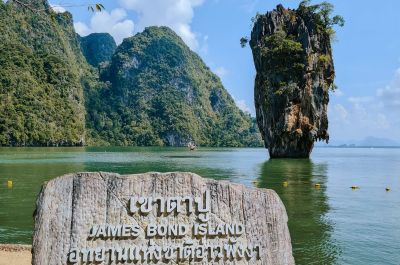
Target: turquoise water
x,y
330,225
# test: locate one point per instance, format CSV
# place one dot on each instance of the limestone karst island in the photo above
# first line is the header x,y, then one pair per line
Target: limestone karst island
x,y
199,132
293,59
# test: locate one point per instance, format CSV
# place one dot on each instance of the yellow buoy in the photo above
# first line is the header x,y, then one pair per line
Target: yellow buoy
x,y
285,184
354,187
387,189
9,184
317,185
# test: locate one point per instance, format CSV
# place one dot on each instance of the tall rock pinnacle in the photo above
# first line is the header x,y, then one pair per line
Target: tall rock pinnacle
x,y
293,59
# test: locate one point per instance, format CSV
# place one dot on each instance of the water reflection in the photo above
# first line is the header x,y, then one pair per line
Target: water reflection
x,y
29,168
306,206
366,222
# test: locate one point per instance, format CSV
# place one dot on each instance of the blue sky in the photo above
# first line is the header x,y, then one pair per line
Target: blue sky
x,y
366,53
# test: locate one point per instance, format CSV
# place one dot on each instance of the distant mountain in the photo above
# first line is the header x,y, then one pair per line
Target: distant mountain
x,y
159,92
375,141
366,142
97,47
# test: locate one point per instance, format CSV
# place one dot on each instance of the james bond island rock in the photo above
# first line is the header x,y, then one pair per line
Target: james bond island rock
x,y
158,218
293,59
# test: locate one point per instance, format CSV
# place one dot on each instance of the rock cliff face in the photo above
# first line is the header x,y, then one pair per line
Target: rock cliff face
x,y
293,59
159,92
97,47
154,89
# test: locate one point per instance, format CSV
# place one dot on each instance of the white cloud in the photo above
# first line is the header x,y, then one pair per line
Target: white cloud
x,y
114,23
340,113
390,95
57,8
176,14
338,92
221,71
382,121
203,49
358,121
360,100
243,105
364,116
82,29
367,113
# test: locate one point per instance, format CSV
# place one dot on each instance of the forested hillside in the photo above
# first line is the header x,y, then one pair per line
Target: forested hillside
x,y
59,89
159,92
40,78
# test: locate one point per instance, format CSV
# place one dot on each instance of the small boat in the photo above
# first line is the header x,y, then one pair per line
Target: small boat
x,y
191,146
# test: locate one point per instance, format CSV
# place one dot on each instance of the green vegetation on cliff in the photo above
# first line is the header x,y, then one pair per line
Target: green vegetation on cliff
x,y
158,92
278,46
153,89
40,91
292,54
320,15
97,47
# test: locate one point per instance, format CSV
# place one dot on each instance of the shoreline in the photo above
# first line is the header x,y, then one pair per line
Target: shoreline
x,y
15,254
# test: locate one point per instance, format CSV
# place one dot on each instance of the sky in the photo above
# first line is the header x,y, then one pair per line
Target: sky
x,y
366,52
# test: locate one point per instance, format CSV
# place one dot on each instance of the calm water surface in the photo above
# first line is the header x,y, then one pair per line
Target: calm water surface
x,y
330,225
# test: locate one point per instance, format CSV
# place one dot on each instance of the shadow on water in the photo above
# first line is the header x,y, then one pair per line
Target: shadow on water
x,y
306,206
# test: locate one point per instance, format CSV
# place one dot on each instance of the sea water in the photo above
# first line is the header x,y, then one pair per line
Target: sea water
x,y
330,223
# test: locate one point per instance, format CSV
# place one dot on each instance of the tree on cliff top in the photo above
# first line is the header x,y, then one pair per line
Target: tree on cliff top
x,y
321,13
292,55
